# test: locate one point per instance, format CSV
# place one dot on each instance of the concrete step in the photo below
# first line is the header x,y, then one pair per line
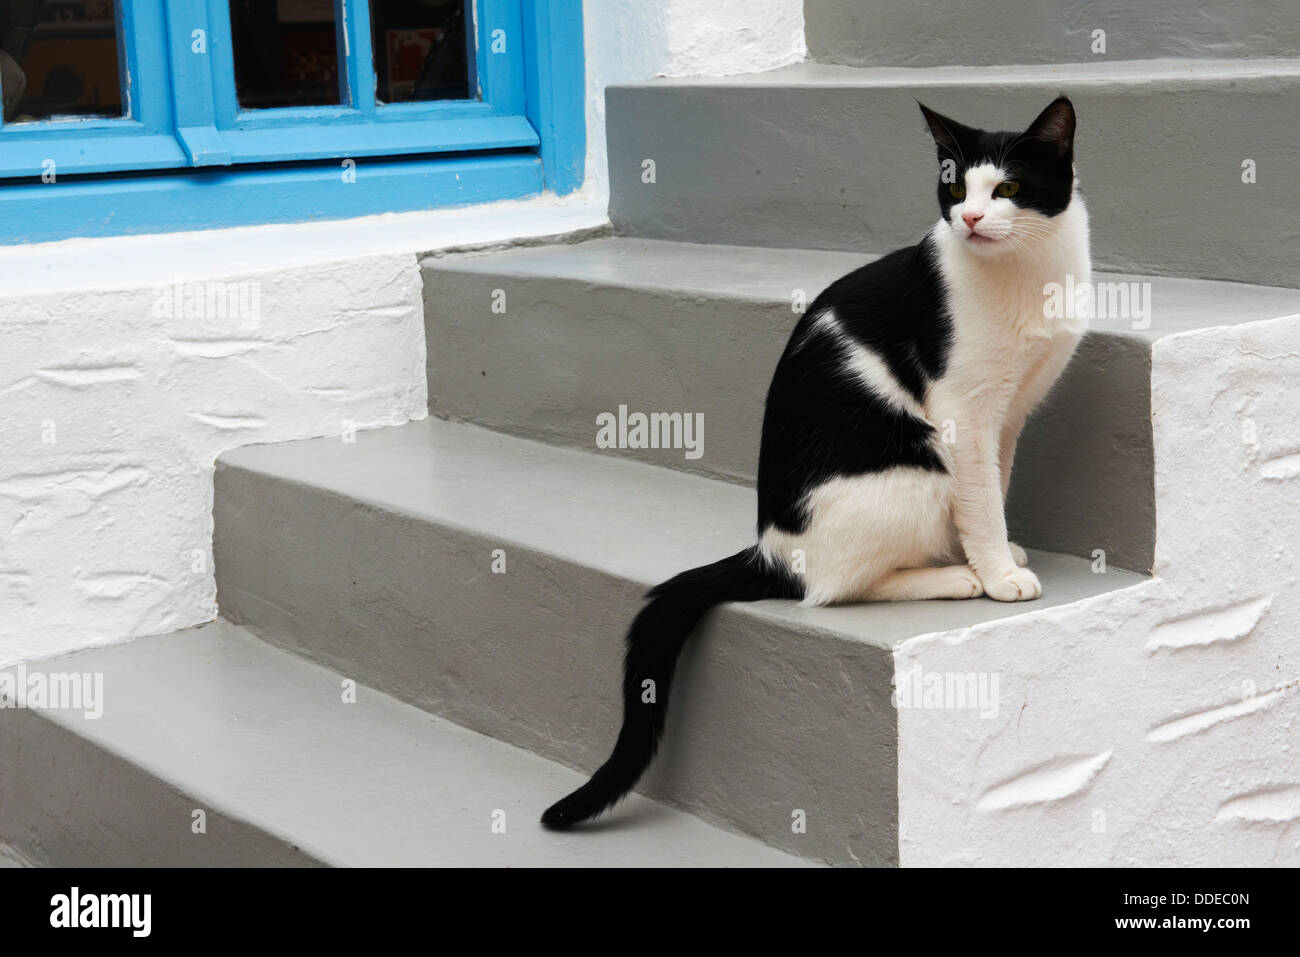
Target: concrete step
x,y
675,327
288,773
929,33
12,858
831,157
377,559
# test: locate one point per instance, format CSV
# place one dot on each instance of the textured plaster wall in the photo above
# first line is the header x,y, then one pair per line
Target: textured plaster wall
x,y
1156,725
112,414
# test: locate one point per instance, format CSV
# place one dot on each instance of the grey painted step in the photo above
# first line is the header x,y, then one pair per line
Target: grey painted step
x,y
288,773
9,857
376,558
663,326
830,157
931,33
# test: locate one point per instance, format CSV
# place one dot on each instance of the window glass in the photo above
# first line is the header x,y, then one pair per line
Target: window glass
x,y
420,50
286,53
58,59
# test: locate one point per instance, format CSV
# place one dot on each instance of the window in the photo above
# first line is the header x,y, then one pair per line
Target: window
x,y
71,60
98,92
69,107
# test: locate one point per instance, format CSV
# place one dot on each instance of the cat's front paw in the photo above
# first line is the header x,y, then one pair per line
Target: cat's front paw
x,y
1018,554
1016,584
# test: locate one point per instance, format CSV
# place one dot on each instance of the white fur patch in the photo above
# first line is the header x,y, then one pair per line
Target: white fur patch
x,y
999,216
868,368
863,527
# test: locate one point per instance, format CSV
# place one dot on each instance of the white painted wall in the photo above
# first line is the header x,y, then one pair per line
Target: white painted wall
x,y
114,413
1156,725
111,416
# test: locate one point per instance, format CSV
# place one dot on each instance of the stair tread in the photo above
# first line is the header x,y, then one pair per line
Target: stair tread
x,y
10,857
264,736
1078,74
769,274
639,522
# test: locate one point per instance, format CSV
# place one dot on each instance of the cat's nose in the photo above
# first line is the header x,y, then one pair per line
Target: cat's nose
x,y
972,218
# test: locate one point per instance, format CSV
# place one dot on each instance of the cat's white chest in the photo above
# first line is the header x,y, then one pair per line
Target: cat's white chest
x,y
1000,338
1005,333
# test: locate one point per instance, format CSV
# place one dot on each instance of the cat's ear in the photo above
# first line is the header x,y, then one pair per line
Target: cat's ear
x,y
948,134
1055,127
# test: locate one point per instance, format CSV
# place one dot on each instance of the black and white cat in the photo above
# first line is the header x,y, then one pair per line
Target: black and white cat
x,y
892,420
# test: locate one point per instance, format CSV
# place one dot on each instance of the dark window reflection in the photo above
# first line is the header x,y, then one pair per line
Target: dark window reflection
x,y
286,52
420,50
58,59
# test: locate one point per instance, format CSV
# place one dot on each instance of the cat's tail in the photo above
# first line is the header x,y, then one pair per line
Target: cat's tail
x,y
655,640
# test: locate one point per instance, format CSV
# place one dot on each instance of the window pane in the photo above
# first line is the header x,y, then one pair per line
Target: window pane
x,y
58,59
286,52
421,52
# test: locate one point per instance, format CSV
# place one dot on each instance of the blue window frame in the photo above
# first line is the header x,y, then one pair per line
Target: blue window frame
x,y
184,133
143,138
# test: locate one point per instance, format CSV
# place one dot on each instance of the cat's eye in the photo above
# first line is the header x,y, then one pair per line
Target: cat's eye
x,y
958,190
1008,189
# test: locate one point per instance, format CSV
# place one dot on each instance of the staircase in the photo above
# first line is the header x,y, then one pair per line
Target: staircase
x,y
467,579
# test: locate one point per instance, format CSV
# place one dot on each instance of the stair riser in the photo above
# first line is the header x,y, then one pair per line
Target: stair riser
x,y
934,33
851,167
566,351
767,718
65,802
1084,473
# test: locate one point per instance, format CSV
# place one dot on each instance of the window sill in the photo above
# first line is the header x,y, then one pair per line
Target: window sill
x,y
117,262
232,196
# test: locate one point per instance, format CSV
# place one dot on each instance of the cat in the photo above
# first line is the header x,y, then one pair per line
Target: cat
x,y
892,419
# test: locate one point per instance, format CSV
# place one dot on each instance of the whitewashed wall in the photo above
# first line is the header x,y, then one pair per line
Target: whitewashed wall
x,y
111,413
1157,725
116,405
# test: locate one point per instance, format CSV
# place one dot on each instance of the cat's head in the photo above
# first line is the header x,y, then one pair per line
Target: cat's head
x,y
1000,191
